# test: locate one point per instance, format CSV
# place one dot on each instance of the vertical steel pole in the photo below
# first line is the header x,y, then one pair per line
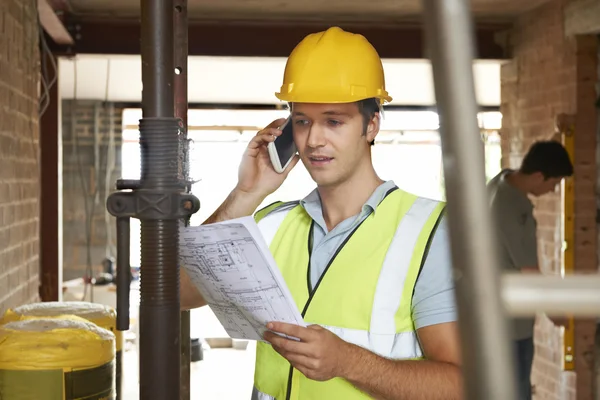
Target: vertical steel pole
x,y
487,354
159,306
159,202
157,58
181,111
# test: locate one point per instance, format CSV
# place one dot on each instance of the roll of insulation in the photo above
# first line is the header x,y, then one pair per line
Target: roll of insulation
x,y
102,315
59,358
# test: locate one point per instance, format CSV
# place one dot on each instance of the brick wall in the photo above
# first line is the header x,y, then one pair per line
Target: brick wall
x,y
84,161
550,74
597,352
19,179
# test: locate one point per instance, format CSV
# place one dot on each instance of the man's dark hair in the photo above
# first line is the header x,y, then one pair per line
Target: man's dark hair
x,y
548,157
368,108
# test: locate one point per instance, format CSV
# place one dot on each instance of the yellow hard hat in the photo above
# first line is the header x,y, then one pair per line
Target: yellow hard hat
x,y
333,66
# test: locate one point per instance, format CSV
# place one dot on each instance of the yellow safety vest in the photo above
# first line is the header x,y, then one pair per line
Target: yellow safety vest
x,y
364,295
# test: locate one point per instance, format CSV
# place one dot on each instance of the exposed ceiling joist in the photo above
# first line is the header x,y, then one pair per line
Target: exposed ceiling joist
x,y
262,39
373,12
53,25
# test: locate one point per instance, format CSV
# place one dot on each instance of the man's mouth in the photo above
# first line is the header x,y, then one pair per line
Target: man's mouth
x,y
319,160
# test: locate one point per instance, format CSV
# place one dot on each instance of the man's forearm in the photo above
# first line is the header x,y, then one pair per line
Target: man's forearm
x,y
387,379
238,204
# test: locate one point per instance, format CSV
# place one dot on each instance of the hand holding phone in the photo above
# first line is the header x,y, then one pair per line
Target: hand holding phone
x,y
257,176
283,149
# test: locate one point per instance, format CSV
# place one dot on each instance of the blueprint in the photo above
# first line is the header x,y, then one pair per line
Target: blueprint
x,y
232,267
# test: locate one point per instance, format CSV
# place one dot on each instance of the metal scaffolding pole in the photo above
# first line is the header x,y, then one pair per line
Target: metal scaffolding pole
x,y
487,355
180,89
573,295
159,202
159,305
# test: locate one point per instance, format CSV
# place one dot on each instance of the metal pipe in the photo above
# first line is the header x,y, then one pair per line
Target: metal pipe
x,y
123,184
186,356
158,201
123,272
159,304
180,89
487,356
573,295
157,58
123,291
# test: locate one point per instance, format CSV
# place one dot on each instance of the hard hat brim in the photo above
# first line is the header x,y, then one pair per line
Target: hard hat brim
x,y
324,100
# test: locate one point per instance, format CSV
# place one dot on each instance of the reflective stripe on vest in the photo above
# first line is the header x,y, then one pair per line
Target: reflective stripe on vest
x,y
390,330
263,396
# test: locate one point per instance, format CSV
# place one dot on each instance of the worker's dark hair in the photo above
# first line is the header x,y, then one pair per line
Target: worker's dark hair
x,y
368,108
548,157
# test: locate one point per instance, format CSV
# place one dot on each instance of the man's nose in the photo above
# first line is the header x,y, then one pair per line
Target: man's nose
x,y
316,136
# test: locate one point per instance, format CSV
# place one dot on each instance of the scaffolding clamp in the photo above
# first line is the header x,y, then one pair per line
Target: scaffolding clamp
x,y
158,196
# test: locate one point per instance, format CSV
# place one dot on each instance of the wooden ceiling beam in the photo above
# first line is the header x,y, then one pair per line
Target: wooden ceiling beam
x,y
268,39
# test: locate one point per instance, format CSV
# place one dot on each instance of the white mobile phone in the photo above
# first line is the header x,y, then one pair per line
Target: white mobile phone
x,y
283,148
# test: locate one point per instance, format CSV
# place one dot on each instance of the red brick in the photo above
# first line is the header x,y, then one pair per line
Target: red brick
x,y
548,75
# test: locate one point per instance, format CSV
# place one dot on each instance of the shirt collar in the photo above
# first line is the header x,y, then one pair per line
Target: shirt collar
x,y
312,202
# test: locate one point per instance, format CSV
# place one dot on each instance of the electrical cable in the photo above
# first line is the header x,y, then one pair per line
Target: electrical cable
x,y
110,165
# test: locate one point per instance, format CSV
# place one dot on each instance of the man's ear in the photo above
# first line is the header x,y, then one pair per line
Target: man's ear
x,y
539,177
373,127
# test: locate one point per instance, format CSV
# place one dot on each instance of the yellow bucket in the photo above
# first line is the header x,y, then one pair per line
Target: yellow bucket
x,y
60,358
102,315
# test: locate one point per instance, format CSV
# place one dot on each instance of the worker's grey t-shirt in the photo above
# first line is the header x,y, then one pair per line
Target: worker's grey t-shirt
x,y
516,235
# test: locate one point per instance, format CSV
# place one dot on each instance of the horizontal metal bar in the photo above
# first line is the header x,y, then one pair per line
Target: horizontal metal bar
x,y
577,295
282,106
249,128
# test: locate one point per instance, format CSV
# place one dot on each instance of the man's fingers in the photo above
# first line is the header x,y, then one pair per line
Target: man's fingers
x,y
295,353
289,345
296,331
299,361
277,123
264,137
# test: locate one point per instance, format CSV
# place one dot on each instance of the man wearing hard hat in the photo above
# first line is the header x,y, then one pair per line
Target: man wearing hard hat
x,y
367,263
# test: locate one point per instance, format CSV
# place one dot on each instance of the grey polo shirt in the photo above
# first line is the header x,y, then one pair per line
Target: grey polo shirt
x,y
433,298
516,235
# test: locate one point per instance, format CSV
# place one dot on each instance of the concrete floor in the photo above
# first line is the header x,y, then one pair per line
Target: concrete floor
x,y
223,374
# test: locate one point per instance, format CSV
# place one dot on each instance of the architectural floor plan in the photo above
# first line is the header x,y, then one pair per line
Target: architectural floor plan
x,y
232,267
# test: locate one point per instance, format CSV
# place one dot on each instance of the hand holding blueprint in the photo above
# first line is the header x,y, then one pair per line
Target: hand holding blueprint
x,y
231,265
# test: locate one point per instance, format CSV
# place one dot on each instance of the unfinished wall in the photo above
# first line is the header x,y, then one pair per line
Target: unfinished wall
x,y
86,144
549,75
19,178
597,353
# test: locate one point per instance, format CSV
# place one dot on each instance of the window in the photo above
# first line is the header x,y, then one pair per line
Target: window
x,y
407,150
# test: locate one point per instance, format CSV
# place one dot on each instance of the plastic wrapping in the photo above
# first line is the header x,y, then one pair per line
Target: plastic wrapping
x,y
102,315
57,358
